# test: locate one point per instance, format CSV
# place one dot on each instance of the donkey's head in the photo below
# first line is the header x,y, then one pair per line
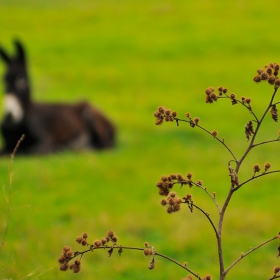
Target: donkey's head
x,y
17,91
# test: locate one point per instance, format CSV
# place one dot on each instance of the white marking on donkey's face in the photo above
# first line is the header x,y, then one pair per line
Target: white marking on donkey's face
x,y
12,106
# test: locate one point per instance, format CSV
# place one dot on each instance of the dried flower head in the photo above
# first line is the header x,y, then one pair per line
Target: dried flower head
x,y
256,168
214,133
104,240
210,95
97,243
114,239
233,99
110,233
147,252
163,114
234,177
271,80
274,113
196,120
249,130
276,269
267,165
76,266
257,79
269,74
63,266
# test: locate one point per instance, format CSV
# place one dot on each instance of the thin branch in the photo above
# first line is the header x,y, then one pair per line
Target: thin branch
x,y
8,197
256,131
204,189
210,195
242,103
274,277
207,216
249,252
207,131
265,142
138,249
220,227
255,177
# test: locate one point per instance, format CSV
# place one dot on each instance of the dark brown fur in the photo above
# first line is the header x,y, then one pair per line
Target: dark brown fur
x,y
48,127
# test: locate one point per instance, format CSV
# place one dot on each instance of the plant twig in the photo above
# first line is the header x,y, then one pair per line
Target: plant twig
x,y
255,177
208,217
207,131
251,144
8,197
138,249
210,195
265,142
249,252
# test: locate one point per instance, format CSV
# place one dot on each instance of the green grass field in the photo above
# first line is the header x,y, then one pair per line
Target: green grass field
x,y
129,57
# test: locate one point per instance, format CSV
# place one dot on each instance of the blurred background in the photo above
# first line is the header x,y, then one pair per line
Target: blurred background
x,y
127,58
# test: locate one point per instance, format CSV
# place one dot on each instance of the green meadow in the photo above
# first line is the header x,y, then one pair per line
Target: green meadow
x,y
126,58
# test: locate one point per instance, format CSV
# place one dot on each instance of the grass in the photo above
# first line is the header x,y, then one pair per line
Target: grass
x,y
128,57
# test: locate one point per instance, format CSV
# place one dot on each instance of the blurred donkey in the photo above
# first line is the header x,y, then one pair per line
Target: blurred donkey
x,y
47,127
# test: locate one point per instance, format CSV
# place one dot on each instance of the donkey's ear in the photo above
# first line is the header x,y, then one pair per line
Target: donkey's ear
x,y
20,54
4,56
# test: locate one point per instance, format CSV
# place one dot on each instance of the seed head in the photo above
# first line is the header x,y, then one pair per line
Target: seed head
x,y
163,202
170,210
209,90
161,109
147,251
277,82
115,239
256,168
172,194
76,266
248,100
97,243
214,133
104,240
213,96
266,166
271,80
196,120
168,112
158,121
84,242
63,266
274,113
264,76
249,130
257,79
110,233
276,269
66,248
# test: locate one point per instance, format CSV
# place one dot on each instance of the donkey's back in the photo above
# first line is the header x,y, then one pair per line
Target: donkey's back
x,y
47,127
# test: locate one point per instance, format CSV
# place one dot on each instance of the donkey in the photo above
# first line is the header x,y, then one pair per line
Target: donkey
x,y
47,127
